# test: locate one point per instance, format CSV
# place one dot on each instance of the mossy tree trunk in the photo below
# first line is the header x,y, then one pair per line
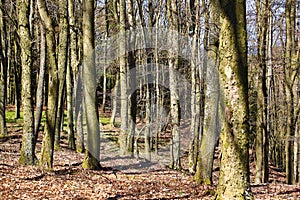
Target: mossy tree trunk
x,y
211,124
92,155
46,159
27,155
234,179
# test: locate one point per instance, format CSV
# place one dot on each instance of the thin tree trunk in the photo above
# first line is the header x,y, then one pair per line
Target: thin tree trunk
x,y
262,142
40,85
3,73
290,73
62,51
172,11
114,102
123,80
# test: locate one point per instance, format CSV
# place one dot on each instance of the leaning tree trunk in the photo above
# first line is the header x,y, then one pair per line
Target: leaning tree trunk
x,y
27,155
40,84
234,179
92,155
48,140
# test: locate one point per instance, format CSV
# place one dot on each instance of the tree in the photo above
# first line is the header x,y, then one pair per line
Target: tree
x,y
92,155
291,71
62,52
262,134
210,124
123,78
41,81
3,73
195,91
234,180
172,12
48,139
28,139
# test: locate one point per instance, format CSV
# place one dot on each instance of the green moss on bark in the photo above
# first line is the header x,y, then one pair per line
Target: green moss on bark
x,y
90,162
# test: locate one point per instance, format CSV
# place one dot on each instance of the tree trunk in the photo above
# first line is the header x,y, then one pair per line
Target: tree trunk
x,y
211,100
114,102
62,65
262,135
92,155
3,74
27,155
48,140
172,11
123,79
40,85
234,179
290,73
132,80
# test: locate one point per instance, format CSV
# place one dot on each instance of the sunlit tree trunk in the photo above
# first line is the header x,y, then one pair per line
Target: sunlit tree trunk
x,y
41,81
211,100
195,103
172,12
132,80
72,62
123,79
48,139
234,178
92,155
27,155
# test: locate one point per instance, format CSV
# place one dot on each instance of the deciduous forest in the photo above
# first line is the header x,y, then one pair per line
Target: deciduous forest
x,y
155,99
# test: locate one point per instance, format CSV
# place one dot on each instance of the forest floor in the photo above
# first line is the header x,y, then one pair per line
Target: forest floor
x,y
125,177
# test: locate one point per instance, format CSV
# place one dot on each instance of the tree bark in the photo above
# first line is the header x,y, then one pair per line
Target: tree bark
x,y
41,81
172,11
291,69
27,155
123,79
92,155
62,53
211,100
48,140
234,179
3,74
